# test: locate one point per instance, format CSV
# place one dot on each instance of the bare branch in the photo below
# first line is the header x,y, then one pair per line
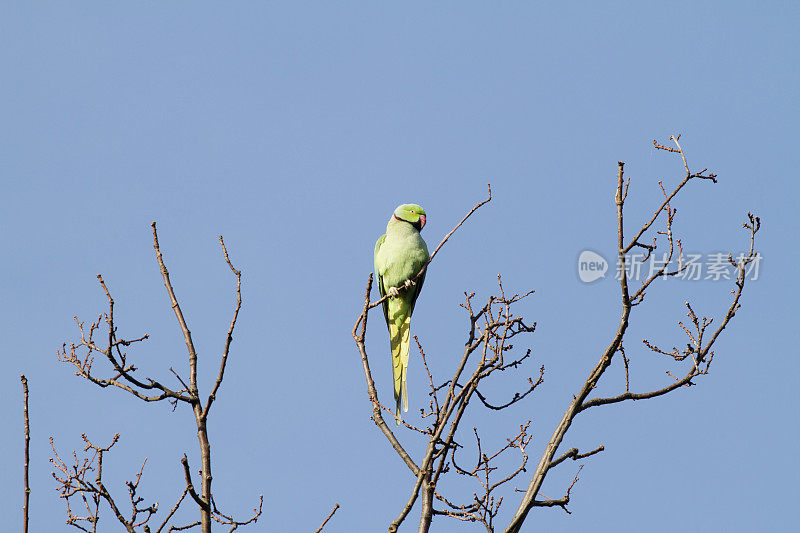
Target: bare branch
x,y
150,390
699,348
573,454
689,176
26,504
517,396
74,481
335,507
173,510
190,486
114,354
561,502
228,520
434,404
484,508
229,338
187,335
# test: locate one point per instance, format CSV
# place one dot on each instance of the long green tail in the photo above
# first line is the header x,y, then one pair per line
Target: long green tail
x,y
400,341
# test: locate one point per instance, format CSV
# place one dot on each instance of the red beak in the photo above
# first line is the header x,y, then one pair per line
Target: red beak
x,y
421,221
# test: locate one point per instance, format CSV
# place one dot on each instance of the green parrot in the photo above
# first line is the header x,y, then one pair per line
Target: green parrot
x,y
399,255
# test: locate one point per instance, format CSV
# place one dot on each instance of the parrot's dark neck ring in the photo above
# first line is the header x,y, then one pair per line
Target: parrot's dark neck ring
x,y
417,224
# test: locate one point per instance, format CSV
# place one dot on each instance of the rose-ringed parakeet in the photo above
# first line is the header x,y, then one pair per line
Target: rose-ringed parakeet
x,y
399,255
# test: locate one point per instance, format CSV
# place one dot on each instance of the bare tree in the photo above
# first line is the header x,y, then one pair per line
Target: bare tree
x,y
75,480
487,353
451,451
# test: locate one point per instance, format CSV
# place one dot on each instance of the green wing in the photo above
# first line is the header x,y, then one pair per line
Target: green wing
x,y
381,287
417,289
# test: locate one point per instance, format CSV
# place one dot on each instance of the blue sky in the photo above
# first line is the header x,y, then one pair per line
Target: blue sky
x,y
294,129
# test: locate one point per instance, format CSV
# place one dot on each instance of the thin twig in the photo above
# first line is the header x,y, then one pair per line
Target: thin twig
x,y
335,507
187,334
229,338
573,454
25,506
173,510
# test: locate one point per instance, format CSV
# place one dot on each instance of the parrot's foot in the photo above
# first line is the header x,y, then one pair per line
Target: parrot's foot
x,y
409,283
393,292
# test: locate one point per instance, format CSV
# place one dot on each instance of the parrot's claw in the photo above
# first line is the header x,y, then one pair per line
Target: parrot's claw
x,y
409,283
393,292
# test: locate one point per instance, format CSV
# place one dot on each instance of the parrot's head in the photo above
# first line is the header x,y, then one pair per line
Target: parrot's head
x,y
411,213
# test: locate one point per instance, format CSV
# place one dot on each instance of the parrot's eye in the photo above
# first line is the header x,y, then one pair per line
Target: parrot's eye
x,y
412,211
